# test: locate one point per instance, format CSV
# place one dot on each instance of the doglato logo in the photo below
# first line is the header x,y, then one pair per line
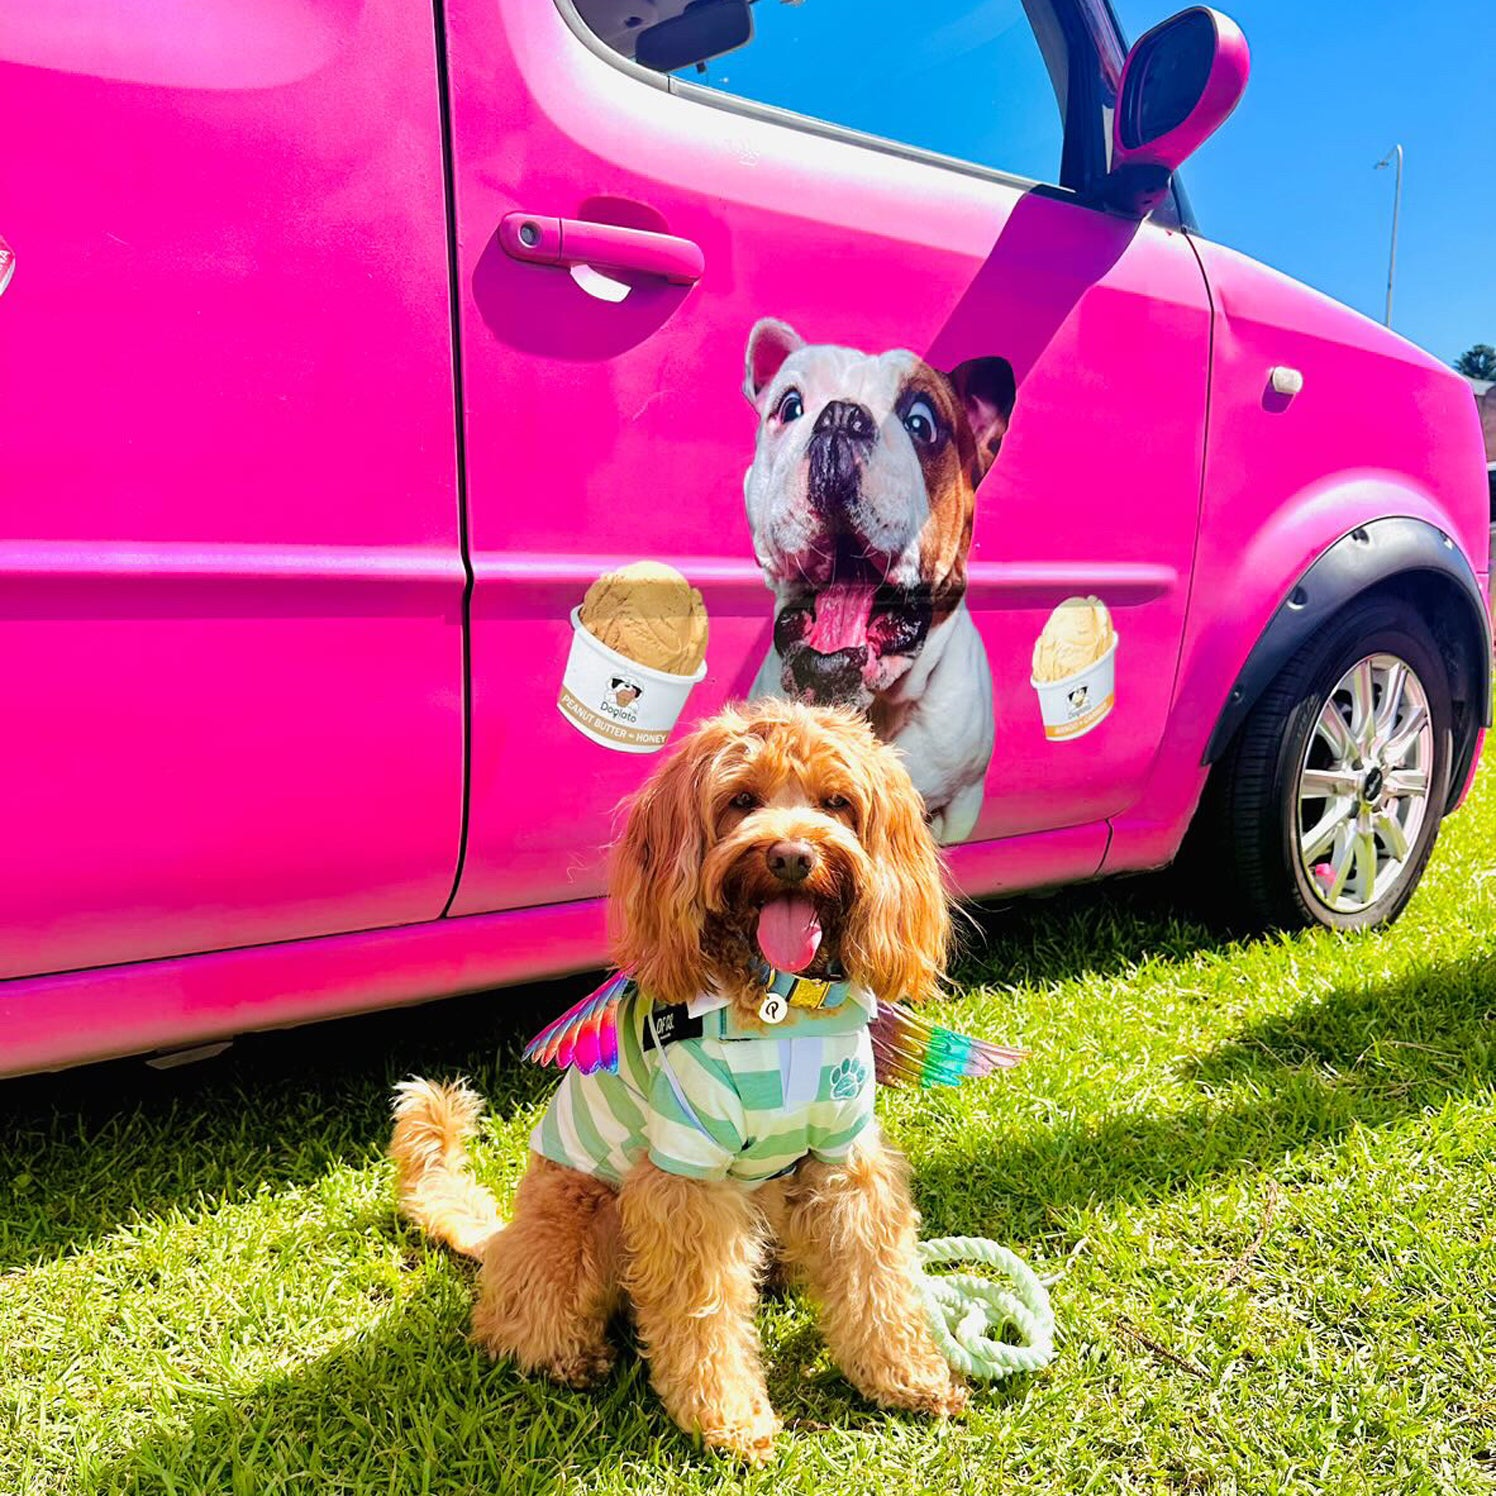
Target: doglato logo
x,y
619,701
625,691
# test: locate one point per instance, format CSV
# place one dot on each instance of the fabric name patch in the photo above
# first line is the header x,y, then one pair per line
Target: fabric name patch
x,y
671,1024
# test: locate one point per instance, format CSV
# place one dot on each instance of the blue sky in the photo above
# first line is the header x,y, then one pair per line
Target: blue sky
x,y
1289,179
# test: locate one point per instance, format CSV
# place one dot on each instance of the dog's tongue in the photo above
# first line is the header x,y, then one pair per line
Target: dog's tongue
x,y
789,933
843,610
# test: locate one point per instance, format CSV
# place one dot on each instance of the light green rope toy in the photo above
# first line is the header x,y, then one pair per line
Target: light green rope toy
x,y
966,1312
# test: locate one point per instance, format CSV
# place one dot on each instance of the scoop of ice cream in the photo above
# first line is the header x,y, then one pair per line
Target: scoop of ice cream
x,y
1079,632
649,613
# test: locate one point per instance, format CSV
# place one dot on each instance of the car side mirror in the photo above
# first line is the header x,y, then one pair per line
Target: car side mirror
x,y
1179,83
705,29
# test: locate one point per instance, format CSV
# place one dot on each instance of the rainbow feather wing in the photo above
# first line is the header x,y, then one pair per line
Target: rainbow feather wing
x,y
585,1035
909,1050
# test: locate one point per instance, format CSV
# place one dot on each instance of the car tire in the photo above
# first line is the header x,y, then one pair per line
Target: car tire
x,y
1314,823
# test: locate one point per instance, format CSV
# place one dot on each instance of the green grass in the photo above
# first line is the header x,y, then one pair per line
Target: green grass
x,y
1261,1175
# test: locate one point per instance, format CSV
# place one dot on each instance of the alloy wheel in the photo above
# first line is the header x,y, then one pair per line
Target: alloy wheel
x,y
1363,785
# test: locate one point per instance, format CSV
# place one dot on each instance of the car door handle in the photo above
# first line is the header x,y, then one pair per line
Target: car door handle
x,y
604,246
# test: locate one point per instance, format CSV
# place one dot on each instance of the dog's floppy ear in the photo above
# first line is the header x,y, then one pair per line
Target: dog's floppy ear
x,y
986,389
900,936
769,344
655,910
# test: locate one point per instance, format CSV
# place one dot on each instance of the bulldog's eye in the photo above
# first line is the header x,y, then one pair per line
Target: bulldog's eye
x,y
835,802
791,407
919,422
744,800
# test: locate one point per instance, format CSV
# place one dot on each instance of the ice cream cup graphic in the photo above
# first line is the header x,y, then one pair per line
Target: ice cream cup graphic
x,y
1075,668
638,646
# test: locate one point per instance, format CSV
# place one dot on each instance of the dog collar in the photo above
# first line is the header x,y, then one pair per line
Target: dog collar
x,y
784,990
789,1002
664,1025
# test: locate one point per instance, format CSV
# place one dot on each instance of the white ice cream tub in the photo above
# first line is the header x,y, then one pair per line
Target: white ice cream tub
x,y
614,700
1070,708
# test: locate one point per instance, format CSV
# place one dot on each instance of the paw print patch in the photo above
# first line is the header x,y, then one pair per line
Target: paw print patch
x,y
847,1079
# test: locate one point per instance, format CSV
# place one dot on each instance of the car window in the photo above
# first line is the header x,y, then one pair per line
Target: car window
x,y
964,78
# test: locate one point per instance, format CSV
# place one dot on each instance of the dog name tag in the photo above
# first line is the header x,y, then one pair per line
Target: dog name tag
x,y
773,1008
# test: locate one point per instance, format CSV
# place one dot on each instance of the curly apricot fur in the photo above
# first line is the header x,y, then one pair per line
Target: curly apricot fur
x,y
688,1256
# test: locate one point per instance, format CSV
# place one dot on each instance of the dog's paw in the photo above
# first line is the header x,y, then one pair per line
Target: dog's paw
x,y
950,1402
579,1366
935,1395
582,1369
749,1437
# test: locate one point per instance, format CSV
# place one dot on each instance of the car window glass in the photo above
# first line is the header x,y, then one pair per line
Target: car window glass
x,y
965,79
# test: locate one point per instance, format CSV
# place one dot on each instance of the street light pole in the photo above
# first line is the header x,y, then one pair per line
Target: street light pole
x,y
1396,151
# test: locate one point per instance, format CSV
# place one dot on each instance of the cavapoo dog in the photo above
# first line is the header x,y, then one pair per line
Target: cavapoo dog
x,y
775,880
861,499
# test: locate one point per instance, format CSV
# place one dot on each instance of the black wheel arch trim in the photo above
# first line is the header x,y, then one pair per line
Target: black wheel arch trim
x,y
1371,555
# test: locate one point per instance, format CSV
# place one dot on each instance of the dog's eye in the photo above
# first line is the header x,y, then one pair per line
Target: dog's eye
x,y
835,802
744,800
791,407
919,422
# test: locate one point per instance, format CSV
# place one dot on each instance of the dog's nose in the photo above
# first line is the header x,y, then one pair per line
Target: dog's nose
x,y
848,418
791,861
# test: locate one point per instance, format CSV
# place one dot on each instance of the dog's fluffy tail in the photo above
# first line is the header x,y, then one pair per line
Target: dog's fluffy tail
x,y
438,1190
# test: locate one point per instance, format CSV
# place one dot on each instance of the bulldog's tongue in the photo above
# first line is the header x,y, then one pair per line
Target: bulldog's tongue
x,y
843,610
789,933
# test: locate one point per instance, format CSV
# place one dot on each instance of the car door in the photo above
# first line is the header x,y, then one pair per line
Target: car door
x,y
970,409
230,577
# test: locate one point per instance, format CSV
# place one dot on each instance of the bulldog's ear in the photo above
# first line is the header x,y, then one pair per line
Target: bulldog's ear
x,y
987,389
769,344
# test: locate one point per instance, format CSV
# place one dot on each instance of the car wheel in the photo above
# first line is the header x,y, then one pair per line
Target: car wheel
x,y
1326,807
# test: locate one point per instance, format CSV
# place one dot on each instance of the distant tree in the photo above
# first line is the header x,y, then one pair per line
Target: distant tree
x,y
1478,362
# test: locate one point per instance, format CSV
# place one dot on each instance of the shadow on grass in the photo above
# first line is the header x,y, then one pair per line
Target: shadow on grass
x,y
1092,930
87,1150
1364,1055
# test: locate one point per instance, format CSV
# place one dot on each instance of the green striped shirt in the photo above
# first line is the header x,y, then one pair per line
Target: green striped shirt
x,y
719,1106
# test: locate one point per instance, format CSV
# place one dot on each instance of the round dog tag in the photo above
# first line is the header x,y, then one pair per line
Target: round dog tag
x,y
773,1008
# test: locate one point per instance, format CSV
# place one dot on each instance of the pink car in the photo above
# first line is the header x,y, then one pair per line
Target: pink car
x,y
416,416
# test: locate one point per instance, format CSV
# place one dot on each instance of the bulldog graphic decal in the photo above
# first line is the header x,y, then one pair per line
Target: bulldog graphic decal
x,y
860,498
